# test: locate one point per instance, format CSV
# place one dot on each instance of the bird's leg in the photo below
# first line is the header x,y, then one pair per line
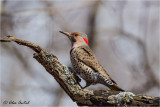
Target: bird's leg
x,y
74,74
87,84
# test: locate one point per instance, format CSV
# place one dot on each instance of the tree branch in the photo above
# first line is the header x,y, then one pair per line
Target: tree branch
x,y
68,82
33,46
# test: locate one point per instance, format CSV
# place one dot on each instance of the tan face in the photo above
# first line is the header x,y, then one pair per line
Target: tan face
x,y
76,37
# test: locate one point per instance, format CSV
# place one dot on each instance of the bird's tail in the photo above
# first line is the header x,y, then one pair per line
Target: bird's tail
x,y
110,83
115,87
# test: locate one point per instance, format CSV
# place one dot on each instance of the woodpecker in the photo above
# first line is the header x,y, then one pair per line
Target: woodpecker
x,y
85,63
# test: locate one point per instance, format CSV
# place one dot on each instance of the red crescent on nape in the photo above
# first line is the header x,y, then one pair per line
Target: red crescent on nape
x,y
86,40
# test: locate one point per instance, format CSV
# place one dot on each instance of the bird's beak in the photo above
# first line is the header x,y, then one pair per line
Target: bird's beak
x,y
66,33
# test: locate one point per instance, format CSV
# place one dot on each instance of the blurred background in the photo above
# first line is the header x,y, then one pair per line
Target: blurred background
x,y
124,35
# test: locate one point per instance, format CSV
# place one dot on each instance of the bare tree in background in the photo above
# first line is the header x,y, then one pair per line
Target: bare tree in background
x,y
105,22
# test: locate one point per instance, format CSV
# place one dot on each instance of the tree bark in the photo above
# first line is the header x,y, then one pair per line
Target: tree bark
x,y
68,81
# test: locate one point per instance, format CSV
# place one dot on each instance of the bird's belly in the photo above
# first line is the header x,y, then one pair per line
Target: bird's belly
x,y
84,71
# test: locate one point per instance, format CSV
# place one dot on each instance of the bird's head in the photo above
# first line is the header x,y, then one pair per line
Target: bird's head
x,y
77,39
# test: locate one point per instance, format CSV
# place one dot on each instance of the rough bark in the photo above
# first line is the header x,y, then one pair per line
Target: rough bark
x,y
69,83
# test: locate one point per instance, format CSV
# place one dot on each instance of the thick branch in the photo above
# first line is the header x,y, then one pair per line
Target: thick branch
x,y
68,82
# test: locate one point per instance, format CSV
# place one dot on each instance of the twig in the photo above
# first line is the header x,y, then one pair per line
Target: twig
x,y
33,46
68,82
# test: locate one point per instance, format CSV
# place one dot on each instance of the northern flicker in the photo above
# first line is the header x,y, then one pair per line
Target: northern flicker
x,y
85,63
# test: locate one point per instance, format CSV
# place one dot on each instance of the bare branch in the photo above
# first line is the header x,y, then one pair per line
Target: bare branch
x,y
33,46
68,82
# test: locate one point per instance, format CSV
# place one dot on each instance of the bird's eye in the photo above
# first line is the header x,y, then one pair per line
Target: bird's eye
x,y
76,34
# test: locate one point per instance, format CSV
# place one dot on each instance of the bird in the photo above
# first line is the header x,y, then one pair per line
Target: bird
x,y
85,63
